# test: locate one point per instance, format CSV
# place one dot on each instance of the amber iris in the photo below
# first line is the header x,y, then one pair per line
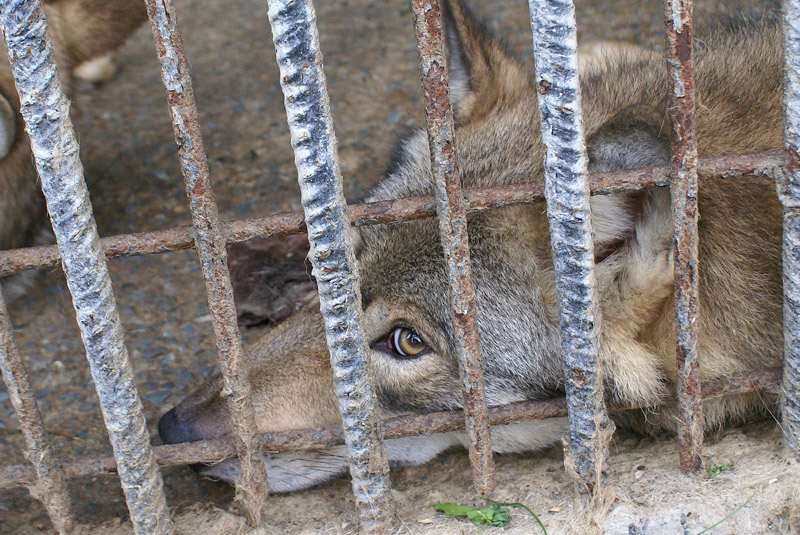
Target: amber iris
x,y
406,342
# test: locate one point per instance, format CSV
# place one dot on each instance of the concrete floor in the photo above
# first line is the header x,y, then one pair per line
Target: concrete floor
x,y
132,169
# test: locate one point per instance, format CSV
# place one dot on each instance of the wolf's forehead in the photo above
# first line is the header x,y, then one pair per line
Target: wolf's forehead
x,y
403,262
400,248
504,148
406,259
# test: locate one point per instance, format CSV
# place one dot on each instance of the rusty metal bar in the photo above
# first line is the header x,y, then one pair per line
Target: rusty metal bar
x,y
567,192
251,486
180,238
49,486
683,194
789,192
209,451
294,32
451,209
55,149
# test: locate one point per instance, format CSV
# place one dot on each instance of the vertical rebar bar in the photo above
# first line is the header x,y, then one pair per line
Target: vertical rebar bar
x,y
55,149
789,192
50,487
294,32
567,196
453,231
683,194
251,486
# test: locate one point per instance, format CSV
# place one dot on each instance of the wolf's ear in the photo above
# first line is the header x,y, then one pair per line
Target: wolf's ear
x,y
482,72
635,137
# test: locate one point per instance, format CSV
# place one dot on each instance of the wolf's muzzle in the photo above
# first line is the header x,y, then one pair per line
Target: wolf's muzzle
x,y
173,431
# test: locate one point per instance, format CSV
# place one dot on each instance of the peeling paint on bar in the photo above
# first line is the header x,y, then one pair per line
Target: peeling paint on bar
x,y
450,206
49,486
55,148
567,193
683,194
767,164
294,32
252,488
789,191
767,381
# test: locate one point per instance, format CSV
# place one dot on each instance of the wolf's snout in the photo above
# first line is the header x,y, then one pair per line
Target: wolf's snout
x,y
174,431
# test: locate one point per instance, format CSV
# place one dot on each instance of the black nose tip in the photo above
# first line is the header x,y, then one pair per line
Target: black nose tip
x,y
173,431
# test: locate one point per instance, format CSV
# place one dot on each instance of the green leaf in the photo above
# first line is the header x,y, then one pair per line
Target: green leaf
x,y
497,515
452,509
523,506
489,516
713,470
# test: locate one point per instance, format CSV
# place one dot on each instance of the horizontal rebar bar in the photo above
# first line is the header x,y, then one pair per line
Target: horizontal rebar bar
x,y
789,192
768,164
451,209
294,32
210,241
210,451
683,195
55,149
50,487
567,190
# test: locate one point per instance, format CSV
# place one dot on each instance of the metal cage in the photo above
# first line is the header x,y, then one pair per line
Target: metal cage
x,y
326,218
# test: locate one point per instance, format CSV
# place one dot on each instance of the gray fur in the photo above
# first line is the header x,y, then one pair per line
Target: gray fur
x,y
403,275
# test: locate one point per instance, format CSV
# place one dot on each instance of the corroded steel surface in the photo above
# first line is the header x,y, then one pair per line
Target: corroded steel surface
x,y
450,207
49,487
213,235
768,381
294,32
683,193
789,192
567,192
55,149
180,238
251,486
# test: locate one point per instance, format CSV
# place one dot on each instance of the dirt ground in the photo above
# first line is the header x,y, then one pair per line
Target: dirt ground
x,y
132,169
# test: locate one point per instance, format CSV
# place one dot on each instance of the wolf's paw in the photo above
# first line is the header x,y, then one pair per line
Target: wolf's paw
x,y
648,277
662,267
632,373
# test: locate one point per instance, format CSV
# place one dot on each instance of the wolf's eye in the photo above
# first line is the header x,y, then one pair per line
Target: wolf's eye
x,y
406,342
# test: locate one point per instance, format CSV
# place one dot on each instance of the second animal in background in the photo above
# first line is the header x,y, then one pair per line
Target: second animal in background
x,y
80,32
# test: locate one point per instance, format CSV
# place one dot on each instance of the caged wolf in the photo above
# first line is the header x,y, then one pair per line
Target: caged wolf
x,y
83,33
404,285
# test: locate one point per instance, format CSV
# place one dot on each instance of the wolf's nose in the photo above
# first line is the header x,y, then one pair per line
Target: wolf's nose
x,y
173,431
